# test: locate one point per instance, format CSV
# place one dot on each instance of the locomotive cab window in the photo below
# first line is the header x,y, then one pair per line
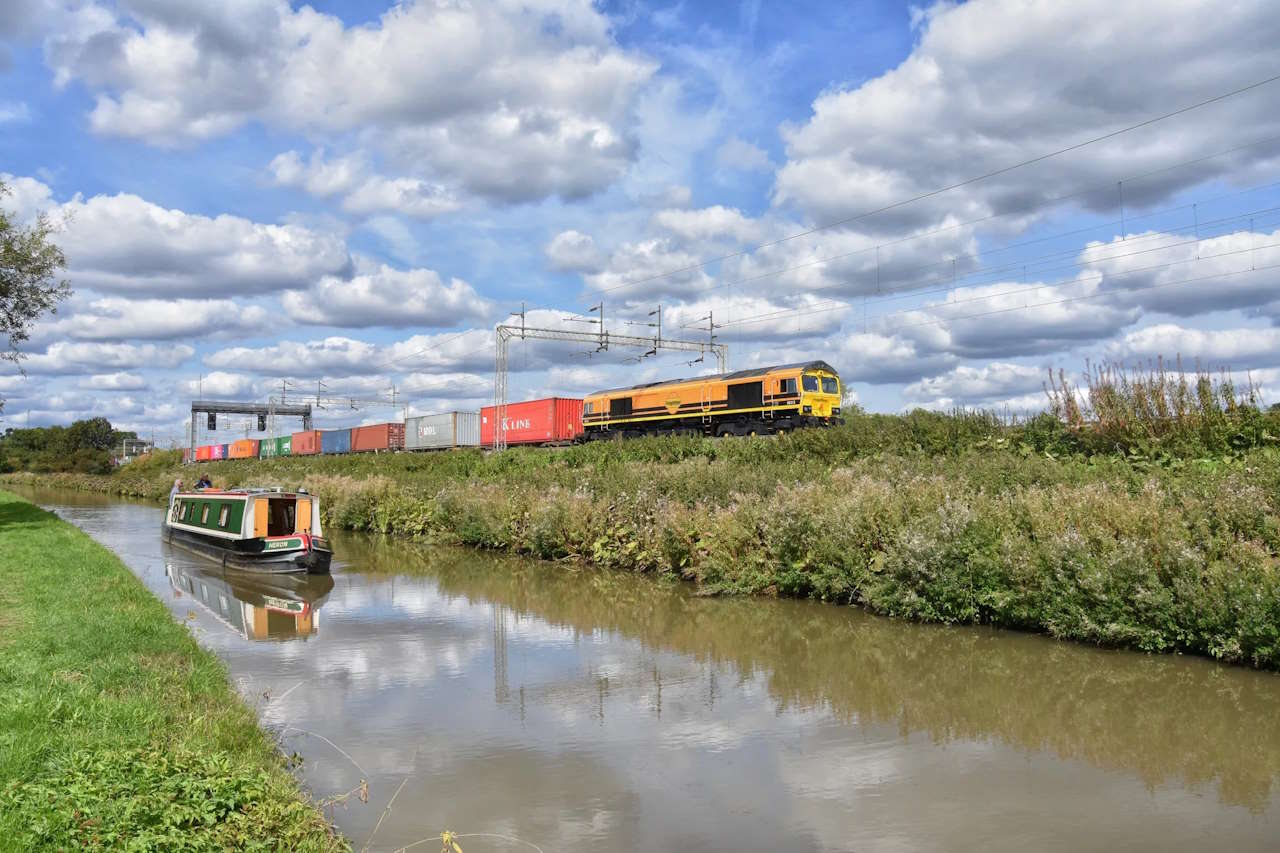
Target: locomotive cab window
x,y
787,386
830,386
809,383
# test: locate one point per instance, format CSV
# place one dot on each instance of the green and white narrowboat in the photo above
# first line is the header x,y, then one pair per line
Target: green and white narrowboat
x,y
256,530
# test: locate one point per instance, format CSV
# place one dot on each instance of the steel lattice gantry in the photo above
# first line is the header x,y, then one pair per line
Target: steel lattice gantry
x,y
602,340
231,407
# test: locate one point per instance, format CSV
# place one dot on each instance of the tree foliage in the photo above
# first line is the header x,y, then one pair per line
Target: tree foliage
x,y
29,284
84,447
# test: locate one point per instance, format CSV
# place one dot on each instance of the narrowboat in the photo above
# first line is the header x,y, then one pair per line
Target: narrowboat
x,y
255,530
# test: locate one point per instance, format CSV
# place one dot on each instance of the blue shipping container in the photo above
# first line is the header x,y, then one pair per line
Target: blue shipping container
x,y
335,441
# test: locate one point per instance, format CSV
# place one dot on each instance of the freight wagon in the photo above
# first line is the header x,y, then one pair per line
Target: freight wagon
x,y
554,420
271,447
306,443
245,448
377,437
335,441
218,451
435,432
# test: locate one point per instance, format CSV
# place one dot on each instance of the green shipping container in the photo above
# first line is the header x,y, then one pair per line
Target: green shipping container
x,y
281,446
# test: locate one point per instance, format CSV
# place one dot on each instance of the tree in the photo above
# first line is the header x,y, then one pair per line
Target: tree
x,y
29,283
91,434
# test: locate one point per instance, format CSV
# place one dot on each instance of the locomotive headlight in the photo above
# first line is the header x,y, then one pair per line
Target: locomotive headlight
x,y
835,410
807,410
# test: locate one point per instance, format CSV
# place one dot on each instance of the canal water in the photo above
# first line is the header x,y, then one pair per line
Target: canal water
x,y
579,710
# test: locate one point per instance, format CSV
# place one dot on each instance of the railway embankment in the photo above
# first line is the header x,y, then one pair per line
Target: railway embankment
x,y
1169,546
119,731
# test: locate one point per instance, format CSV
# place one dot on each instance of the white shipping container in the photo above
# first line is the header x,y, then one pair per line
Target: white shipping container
x,y
435,432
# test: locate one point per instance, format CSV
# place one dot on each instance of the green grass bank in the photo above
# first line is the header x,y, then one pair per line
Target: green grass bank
x,y
1164,546
117,731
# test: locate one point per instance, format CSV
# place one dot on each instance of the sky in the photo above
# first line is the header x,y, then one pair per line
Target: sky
x,y
260,198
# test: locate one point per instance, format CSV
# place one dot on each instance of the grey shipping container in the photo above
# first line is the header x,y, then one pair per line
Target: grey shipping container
x,y
434,432
335,441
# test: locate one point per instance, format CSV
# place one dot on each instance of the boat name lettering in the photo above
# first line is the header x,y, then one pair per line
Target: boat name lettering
x,y
282,543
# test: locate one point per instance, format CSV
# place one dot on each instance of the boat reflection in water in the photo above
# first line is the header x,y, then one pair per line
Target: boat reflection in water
x,y
256,606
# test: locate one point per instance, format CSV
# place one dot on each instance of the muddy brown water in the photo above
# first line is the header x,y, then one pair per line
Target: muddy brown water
x,y
580,710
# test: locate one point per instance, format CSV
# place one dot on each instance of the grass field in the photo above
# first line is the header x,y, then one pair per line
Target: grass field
x,y
1156,533
117,731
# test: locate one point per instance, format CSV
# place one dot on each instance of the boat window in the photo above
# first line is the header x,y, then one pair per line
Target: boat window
x,y
810,382
204,515
830,386
223,514
186,511
787,386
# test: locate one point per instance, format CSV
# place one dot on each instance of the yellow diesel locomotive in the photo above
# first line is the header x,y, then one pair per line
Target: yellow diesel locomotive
x,y
759,401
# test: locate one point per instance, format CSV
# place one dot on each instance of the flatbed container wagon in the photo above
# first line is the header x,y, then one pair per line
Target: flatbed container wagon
x,y
335,441
437,432
553,420
377,437
218,451
202,453
306,443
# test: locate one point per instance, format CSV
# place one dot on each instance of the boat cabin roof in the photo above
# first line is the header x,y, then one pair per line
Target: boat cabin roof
x,y
243,493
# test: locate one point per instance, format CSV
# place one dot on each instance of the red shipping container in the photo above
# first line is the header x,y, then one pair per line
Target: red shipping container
x,y
306,443
554,419
377,437
204,452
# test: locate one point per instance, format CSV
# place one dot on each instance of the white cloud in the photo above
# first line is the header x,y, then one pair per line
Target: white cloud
x,y
1133,274
445,385
1009,319
363,192
970,385
515,101
387,297
332,356
116,318
972,98
709,223
120,381
26,197
219,383
91,358
738,154
1238,348
573,251
125,244
15,112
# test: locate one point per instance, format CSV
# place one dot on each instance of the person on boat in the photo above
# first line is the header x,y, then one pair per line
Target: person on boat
x,y
177,487
204,482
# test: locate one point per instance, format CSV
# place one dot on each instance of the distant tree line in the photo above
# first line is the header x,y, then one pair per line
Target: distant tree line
x,y
85,447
